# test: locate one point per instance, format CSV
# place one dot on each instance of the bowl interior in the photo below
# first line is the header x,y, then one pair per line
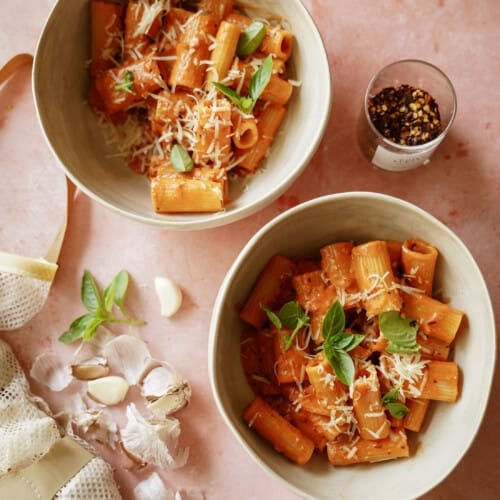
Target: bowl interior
x,y
60,85
450,428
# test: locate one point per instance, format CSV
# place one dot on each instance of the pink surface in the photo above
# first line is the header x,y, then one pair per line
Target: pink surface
x,y
460,187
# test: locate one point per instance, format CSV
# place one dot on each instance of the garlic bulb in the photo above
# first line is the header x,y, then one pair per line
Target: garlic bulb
x,y
109,390
165,390
49,370
153,443
170,296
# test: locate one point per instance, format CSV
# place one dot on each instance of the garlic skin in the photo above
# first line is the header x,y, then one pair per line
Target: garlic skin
x,y
153,488
165,389
153,443
49,370
109,390
127,355
170,296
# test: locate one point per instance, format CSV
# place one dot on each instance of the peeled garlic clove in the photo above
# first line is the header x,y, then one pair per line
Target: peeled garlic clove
x,y
170,296
166,390
127,355
109,390
153,443
90,369
49,370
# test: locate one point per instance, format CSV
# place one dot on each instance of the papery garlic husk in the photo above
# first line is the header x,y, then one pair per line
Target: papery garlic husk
x,y
92,348
153,488
153,443
127,355
109,390
90,369
191,494
49,370
165,389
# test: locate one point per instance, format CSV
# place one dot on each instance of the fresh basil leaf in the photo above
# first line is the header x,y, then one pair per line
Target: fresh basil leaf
x,y
121,280
109,296
273,318
230,93
292,315
391,396
251,39
127,83
76,329
334,320
260,79
397,410
401,333
180,159
91,327
246,105
355,340
91,297
342,365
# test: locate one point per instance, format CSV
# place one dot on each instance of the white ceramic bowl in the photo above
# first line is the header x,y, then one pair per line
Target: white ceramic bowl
x,y
60,85
450,428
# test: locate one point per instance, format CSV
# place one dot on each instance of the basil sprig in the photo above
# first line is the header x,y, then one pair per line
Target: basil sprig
x,y
401,333
395,408
258,83
127,84
337,344
99,307
292,316
251,39
180,159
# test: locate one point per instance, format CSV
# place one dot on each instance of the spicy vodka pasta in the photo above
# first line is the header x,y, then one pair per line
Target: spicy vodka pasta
x,y
345,353
190,96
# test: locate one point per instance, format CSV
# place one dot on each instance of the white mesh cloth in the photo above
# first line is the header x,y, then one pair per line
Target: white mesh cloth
x,y
27,436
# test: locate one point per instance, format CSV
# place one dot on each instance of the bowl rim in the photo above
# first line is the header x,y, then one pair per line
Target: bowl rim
x,y
223,217
243,255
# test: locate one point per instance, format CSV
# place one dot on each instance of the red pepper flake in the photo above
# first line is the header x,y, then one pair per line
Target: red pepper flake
x,y
405,115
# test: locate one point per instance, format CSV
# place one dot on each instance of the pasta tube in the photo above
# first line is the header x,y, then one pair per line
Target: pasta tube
x,y
272,281
414,419
441,382
419,262
285,438
222,56
342,452
193,48
373,271
436,319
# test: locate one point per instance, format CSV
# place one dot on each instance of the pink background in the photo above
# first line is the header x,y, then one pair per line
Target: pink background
x,y
460,187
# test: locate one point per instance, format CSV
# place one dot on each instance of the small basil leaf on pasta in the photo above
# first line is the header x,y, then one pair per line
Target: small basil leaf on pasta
x,y
334,320
401,333
391,403
127,84
342,364
180,159
273,318
251,39
260,79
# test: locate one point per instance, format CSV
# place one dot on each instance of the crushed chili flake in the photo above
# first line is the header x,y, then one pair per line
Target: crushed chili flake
x,y
405,115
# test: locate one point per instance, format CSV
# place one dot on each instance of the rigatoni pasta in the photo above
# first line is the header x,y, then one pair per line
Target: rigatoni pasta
x,y
177,77
356,357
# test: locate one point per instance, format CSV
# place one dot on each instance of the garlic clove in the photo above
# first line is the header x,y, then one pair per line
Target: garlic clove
x,y
165,389
153,443
109,390
92,348
49,370
91,369
127,355
170,296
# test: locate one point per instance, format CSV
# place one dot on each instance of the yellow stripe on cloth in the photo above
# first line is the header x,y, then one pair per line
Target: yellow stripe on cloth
x,y
43,479
39,269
